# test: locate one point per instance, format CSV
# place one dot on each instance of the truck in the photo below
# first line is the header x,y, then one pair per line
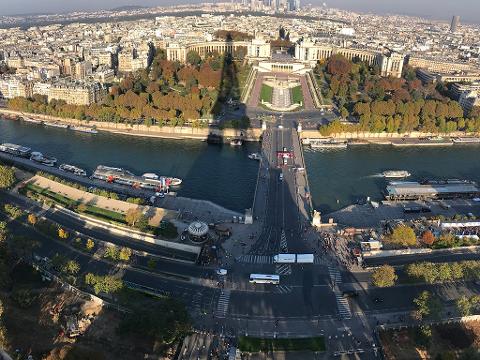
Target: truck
x,y
294,259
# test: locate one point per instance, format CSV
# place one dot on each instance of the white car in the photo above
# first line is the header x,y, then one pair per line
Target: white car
x,y
280,177
280,126
222,272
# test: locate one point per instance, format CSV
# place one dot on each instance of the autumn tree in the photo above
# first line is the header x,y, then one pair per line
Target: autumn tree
x,y
428,238
427,306
7,177
384,276
403,236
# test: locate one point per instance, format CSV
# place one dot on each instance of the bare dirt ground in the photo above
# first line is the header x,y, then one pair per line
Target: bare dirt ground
x,y
452,339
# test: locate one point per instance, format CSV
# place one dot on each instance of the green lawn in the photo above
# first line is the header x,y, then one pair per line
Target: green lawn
x,y
297,95
266,93
60,199
105,214
252,344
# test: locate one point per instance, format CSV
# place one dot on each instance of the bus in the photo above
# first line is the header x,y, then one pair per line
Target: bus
x,y
264,279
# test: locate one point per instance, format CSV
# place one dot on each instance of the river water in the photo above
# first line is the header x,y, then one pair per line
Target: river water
x,y
341,177
222,174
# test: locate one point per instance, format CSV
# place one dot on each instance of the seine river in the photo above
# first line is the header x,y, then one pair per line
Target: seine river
x,y
224,174
341,177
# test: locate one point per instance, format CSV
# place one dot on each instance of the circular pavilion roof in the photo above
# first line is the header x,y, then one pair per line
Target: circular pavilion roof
x,y
198,228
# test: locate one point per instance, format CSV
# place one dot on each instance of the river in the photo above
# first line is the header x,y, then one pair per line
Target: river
x,y
341,177
222,174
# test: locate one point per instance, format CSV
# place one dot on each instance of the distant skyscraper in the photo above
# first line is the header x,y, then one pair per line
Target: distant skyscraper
x,y
455,23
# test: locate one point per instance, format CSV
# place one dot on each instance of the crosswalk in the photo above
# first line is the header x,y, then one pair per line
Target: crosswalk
x,y
255,259
283,242
222,305
343,306
283,269
283,289
335,275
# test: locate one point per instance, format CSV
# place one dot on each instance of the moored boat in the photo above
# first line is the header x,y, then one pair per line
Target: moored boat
x,y
84,129
56,124
466,140
73,169
33,121
15,149
236,142
328,144
42,159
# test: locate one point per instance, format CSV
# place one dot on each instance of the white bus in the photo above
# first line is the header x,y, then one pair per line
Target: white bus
x,y
294,258
264,279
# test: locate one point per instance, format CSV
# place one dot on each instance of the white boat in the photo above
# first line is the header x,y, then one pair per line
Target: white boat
x,y
396,174
466,140
236,142
84,129
42,159
15,149
72,169
56,124
255,156
33,121
168,181
151,176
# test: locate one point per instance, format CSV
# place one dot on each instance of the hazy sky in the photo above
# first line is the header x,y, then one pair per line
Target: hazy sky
x,y
469,10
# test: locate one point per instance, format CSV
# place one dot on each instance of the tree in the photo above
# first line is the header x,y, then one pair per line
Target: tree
x,y
71,267
111,252
106,284
3,232
32,219
402,235
62,233
193,58
133,216
125,254
466,304
152,264
89,245
427,306
7,177
384,276
428,238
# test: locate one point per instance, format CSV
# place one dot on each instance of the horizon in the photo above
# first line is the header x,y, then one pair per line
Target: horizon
x,y
426,9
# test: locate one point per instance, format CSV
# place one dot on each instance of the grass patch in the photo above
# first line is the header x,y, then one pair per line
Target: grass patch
x,y
253,344
105,214
60,199
266,93
297,95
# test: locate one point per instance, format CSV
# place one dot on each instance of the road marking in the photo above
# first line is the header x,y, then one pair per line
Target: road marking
x,y
283,289
335,275
223,302
343,306
283,269
255,259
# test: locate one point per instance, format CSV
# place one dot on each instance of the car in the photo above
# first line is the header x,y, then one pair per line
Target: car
x,y
377,300
160,194
280,126
285,161
280,177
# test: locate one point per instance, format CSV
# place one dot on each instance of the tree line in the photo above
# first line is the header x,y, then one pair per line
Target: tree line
x,y
393,105
167,93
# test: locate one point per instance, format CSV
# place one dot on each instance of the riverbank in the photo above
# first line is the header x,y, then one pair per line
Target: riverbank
x,y
165,132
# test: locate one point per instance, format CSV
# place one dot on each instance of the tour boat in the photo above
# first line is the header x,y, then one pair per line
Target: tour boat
x,y
72,169
15,149
169,181
466,140
396,174
42,159
328,144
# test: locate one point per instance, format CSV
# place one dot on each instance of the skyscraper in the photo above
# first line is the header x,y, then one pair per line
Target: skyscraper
x,y
455,23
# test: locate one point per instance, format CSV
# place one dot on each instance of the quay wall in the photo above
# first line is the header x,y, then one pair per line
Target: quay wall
x,y
168,132
315,134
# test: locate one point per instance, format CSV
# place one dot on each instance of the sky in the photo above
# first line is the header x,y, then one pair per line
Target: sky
x,y
469,10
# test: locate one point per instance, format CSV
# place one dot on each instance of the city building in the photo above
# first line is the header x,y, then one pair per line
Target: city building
x,y
455,23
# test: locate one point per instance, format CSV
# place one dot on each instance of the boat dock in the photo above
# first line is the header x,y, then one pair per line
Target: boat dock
x,y
449,189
